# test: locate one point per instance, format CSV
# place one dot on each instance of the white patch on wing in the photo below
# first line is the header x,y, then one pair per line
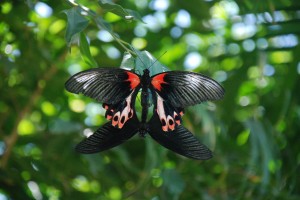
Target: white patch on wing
x,y
161,113
125,112
168,120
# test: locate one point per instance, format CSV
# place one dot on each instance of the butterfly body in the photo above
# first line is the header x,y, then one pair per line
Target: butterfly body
x,y
145,84
170,92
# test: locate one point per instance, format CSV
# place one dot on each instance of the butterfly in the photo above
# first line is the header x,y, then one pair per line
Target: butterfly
x,y
170,91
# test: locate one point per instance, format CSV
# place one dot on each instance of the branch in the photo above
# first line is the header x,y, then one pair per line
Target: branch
x,y
11,140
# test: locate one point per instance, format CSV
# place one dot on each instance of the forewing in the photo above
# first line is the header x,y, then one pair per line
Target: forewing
x,y
107,137
107,85
179,140
183,89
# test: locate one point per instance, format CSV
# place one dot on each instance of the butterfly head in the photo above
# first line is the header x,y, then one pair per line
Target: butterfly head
x,y
146,72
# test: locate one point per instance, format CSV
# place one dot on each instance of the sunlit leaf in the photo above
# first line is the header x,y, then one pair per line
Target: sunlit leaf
x,y
57,26
135,14
6,7
127,61
126,14
243,137
103,24
85,51
115,193
81,184
143,60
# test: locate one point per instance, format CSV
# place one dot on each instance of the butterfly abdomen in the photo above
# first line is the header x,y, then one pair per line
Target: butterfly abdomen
x,y
145,83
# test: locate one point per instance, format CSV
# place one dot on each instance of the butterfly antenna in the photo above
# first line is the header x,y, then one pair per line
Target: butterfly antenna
x,y
152,63
157,60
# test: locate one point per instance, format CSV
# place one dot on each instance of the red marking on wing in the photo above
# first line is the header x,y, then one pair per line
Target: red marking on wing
x,y
133,79
181,113
158,80
105,106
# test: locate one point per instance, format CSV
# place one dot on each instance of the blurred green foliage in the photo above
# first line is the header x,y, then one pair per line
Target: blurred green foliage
x,y
251,47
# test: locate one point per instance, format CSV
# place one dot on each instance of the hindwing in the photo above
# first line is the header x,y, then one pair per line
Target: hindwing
x,y
108,136
180,140
121,112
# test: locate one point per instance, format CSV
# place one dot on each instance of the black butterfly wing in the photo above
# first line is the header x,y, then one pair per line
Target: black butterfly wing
x,y
182,89
179,140
107,137
107,85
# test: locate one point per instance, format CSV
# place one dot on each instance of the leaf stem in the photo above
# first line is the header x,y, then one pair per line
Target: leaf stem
x,y
91,13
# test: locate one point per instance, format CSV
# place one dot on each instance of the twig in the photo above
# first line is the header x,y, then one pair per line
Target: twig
x,y
93,14
13,137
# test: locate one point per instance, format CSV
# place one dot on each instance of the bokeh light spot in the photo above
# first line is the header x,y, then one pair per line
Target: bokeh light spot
x,y
77,105
192,60
35,190
152,23
244,101
140,31
115,193
139,43
104,36
43,10
2,148
248,45
113,52
48,108
176,32
26,127
160,5
268,70
183,19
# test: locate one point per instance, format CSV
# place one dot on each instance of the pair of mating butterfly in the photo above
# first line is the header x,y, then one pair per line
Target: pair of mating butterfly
x,y
170,91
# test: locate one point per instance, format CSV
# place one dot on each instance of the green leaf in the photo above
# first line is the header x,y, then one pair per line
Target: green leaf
x,y
112,7
127,61
135,14
173,183
145,60
85,51
243,137
102,24
262,149
120,11
30,4
76,23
